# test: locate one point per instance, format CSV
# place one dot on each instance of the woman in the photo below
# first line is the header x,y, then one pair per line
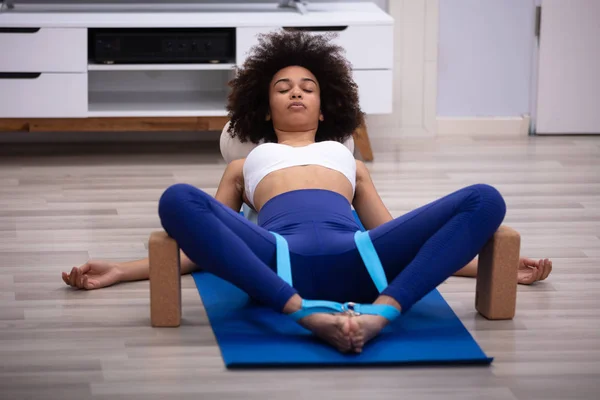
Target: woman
x,y
295,91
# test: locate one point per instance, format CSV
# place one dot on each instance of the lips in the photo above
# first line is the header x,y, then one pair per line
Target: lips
x,y
296,104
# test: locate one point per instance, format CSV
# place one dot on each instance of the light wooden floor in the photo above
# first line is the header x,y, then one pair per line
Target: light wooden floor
x,y
58,209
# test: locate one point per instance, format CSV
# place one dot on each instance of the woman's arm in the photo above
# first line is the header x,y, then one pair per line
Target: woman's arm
x,y
528,270
229,193
372,211
367,203
231,187
96,274
140,269
469,270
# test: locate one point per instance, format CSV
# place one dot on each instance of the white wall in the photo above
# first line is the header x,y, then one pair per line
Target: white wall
x,y
485,57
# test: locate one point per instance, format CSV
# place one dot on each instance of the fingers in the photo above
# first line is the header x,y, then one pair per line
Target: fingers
x,y
85,268
84,282
539,270
530,262
535,275
80,281
77,277
90,283
526,277
73,277
547,269
534,271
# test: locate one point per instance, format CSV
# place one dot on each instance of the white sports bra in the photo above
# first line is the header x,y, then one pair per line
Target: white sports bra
x,y
269,157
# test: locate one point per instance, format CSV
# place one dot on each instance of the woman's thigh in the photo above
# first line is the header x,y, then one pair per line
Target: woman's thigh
x,y
398,242
192,214
341,275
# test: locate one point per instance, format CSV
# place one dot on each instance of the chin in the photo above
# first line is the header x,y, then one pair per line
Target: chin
x,y
298,123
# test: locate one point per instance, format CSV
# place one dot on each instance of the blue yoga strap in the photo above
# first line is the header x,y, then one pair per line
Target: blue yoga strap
x,y
284,267
372,263
365,248
371,259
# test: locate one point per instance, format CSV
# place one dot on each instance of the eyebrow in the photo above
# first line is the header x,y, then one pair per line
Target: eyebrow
x,y
288,80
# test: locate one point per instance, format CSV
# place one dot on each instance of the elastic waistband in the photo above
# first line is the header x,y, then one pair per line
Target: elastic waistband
x,y
306,203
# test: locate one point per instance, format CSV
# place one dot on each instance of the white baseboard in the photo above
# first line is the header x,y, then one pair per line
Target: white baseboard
x,y
483,126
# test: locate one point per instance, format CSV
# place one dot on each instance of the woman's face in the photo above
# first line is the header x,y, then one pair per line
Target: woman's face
x,y
295,100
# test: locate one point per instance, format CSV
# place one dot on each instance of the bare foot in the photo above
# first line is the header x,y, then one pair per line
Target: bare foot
x,y
363,328
332,328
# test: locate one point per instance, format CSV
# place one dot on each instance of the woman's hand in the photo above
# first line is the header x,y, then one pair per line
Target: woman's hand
x,y
531,271
93,275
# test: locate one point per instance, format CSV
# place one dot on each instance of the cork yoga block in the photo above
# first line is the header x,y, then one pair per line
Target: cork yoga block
x,y
495,297
165,280
496,289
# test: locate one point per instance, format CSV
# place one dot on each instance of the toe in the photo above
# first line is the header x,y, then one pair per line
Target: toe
x,y
347,332
344,325
358,344
344,347
355,328
357,335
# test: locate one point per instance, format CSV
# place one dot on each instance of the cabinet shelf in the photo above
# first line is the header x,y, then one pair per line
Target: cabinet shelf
x,y
157,104
72,84
158,93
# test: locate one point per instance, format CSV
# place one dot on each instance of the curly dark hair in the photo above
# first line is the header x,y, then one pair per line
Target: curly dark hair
x,y
249,99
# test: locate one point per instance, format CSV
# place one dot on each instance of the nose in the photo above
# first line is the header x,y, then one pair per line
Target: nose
x,y
296,93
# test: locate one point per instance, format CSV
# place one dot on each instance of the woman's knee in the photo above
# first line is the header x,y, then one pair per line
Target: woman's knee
x,y
176,198
491,199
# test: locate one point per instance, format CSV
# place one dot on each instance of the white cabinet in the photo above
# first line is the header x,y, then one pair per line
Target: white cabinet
x,y
374,90
43,50
366,46
45,71
45,95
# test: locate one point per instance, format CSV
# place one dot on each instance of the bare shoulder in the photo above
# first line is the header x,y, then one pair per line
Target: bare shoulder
x,y
236,165
234,173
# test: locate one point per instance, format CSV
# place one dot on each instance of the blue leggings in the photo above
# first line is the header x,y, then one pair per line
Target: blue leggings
x,y
418,250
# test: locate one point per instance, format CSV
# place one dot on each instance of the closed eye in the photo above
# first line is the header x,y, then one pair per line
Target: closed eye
x,y
287,90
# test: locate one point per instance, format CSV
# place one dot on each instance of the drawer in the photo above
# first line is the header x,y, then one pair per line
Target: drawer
x,y
375,90
43,50
43,95
366,46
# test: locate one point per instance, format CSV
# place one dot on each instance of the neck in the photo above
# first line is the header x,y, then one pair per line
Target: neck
x,y
295,138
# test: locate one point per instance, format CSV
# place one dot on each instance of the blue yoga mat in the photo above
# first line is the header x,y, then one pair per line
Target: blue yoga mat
x,y
252,335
